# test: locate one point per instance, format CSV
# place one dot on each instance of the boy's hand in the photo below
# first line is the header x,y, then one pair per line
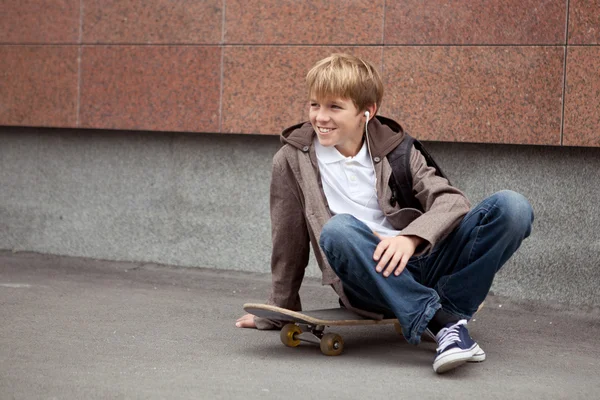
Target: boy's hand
x,y
246,321
394,252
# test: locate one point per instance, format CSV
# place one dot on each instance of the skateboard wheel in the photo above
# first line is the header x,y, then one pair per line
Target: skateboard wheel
x,y
288,335
332,344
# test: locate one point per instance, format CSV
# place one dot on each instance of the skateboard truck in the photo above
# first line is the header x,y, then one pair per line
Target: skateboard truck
x,y
331,344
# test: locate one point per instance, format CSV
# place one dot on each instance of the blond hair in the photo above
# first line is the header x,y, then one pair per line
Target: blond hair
x,y
348,77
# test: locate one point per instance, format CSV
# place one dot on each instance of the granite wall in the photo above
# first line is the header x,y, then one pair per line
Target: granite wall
x,y
486,71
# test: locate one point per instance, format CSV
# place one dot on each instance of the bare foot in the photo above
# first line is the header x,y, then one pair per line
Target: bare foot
x,y
246,321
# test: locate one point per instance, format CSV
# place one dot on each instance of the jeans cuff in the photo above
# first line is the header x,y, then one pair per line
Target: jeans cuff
x,y
421,325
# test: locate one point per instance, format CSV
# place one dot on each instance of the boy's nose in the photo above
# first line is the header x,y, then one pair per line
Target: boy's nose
x,y
322,116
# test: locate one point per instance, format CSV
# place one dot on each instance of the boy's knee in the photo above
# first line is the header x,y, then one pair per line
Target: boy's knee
x,y
515,210
335,230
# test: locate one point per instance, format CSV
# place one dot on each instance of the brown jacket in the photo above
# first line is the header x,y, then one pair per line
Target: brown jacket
x,y
299,209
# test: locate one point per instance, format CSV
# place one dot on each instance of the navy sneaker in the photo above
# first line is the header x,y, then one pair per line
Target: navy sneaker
x,y
455,347
477,357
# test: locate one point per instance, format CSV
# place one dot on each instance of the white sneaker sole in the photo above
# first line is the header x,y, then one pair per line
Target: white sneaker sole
x,y
454,358
477,357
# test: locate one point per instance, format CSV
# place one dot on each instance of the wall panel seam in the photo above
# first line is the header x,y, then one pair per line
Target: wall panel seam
x,y
78,109
79,53
295,45
222,49
564,89
383,23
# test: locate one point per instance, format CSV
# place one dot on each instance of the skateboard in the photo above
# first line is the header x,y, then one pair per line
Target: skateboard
x,y
309,326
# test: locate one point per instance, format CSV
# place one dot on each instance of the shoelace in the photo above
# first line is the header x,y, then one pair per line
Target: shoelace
x,y
449,336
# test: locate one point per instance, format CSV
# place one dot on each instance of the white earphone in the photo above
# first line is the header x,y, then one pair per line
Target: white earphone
x,y
370,154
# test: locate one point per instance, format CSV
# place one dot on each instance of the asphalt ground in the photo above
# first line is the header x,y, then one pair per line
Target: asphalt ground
x,y
74,328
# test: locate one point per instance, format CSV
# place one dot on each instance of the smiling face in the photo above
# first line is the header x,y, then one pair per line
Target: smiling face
x,y
338,123
341,88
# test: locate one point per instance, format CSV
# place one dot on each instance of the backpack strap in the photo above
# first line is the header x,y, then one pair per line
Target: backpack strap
x,y
401,182
430,161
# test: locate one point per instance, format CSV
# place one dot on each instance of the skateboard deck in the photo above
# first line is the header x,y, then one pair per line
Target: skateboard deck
x,y
309,326
325,317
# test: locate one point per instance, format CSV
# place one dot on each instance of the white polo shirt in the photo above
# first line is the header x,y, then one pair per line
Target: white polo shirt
x,y
349,186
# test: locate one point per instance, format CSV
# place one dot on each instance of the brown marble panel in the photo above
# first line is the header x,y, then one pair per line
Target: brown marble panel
x,y
264,89
171,88
154,21
584,22
582,98
39,21
304,22
475,22
38,86
476,94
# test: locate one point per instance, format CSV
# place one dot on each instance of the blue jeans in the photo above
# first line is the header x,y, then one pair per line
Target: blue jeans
x,y
456,275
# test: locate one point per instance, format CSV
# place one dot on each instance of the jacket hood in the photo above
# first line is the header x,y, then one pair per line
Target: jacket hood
x,y
384,135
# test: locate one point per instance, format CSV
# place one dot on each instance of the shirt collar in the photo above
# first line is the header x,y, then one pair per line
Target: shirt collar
x,y
330,155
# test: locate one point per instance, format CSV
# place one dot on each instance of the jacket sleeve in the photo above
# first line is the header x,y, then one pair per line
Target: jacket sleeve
x,y
291,243
444,205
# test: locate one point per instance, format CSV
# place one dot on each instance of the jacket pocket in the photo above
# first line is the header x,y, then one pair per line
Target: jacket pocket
x,y
400,219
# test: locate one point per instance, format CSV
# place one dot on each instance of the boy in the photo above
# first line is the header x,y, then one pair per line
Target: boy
x,y
329,187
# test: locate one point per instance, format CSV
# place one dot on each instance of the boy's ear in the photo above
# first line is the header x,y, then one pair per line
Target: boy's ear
x,y
372,109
